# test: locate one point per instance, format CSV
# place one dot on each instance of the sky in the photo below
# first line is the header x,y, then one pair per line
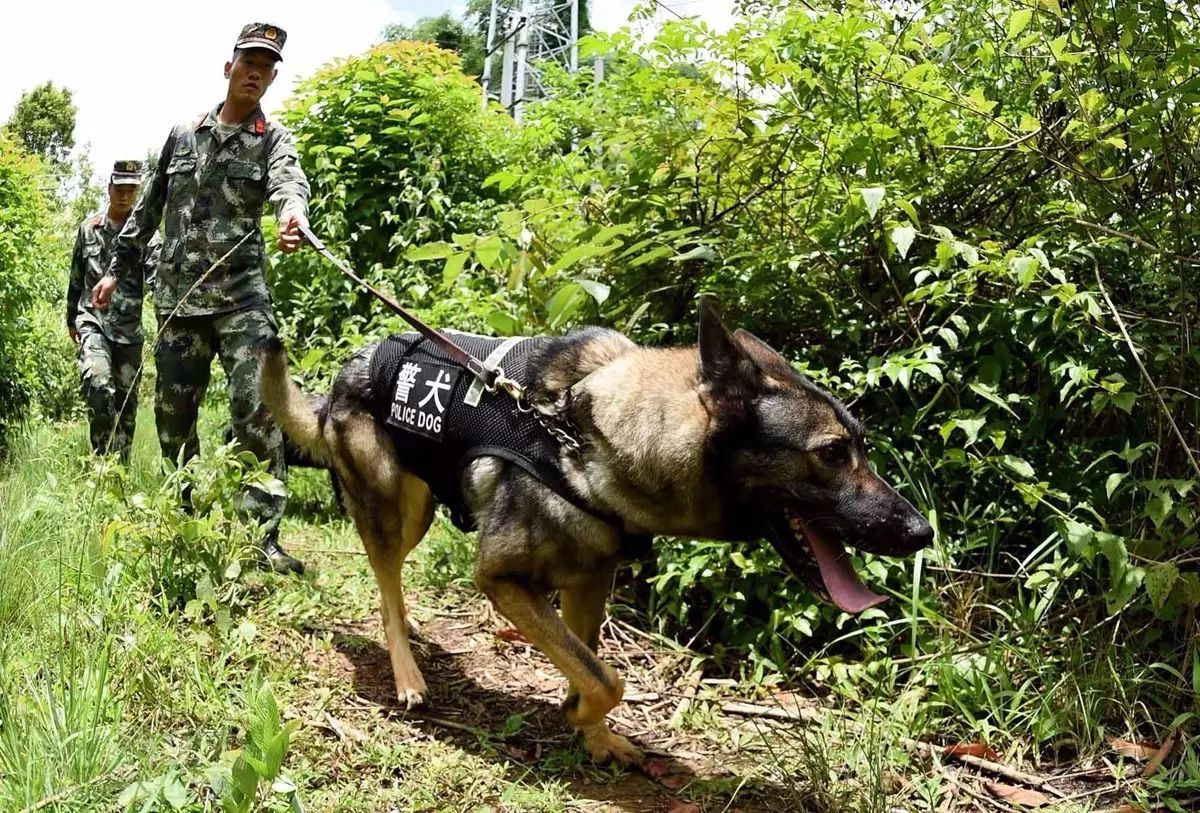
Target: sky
x,y
138,67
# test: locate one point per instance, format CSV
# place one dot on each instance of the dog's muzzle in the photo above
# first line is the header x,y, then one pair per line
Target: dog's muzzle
x,y
818,558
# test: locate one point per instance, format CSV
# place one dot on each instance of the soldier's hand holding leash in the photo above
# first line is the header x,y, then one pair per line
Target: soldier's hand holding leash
x,y
290,236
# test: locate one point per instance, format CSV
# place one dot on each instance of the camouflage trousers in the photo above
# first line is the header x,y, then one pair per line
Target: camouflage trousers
x,y
108,378
183,360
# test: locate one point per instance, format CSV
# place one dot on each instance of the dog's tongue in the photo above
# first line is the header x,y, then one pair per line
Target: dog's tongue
x,y
845,589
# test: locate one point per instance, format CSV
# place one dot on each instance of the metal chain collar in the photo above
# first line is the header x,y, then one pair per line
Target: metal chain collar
x,y
557,424
552,417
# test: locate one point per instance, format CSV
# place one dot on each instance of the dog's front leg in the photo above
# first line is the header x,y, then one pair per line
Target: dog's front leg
x,y
595,686
583,611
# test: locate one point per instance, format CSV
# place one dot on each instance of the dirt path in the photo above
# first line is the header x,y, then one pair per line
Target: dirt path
x,y
493,695
494,699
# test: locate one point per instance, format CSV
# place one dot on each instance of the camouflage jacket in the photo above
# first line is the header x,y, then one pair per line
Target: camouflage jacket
x,y
122,321
212,193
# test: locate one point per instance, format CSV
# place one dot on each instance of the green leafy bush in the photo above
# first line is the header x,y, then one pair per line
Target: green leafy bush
x,y
396,149
902,234
26,239
963,219
244,779
192,560
54,380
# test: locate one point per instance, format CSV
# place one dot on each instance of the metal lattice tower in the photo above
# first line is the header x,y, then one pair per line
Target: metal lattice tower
x,y
537,31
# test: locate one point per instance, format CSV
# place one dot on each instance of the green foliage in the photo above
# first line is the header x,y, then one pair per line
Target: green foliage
x,y
244,779
85,192
445,32
930,215
192,560
95,649
44,123
238,780
932,239
53,381
58,730
61,716
939,214
26,244
396,149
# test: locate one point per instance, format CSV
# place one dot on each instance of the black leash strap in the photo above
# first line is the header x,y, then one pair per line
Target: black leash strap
x,y
492,377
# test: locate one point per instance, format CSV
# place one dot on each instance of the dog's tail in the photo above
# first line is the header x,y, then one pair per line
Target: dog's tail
x,y
293,409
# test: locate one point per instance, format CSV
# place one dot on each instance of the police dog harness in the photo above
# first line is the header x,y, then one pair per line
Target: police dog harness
x,y
441,417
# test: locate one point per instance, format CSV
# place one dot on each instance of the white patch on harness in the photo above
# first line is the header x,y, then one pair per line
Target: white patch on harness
x,y
421,396
475,391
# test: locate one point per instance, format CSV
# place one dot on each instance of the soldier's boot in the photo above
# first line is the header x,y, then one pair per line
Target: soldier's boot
x,y
127,372
101,423
272,556
185,501
123,428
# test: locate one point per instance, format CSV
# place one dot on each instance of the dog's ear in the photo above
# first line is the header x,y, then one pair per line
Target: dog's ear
x,y
763,354
725,367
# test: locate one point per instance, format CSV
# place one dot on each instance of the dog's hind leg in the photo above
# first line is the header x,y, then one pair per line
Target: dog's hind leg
x,y
583,611
392,510
598,686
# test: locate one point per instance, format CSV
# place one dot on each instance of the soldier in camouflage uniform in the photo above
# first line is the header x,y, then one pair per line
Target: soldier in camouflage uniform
x,y
110,341
212,180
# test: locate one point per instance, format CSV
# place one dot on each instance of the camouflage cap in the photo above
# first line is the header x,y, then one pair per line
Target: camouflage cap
x,y
262,35
126,172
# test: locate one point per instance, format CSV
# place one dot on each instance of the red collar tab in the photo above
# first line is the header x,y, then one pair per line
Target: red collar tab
x,y
260,125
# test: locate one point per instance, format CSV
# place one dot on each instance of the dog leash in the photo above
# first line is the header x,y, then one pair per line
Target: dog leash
x,y
493,377
554,420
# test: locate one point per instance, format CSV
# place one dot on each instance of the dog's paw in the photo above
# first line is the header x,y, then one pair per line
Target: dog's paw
x,y
411,692
604,745
411,698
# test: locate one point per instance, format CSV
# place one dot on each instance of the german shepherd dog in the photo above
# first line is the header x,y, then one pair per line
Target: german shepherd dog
x,y
723,440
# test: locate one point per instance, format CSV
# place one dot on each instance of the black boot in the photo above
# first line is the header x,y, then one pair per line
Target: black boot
x,y
272,556
185,501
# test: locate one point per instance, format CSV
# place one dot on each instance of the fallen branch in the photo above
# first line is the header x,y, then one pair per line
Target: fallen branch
x,y
775,712
985,765
420,717
333,551
691,685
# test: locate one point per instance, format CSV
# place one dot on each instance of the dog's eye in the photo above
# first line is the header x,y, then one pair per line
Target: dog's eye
x,y
834,455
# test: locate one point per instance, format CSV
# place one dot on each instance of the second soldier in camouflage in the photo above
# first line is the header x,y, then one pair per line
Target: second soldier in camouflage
x,y
110,341
210,186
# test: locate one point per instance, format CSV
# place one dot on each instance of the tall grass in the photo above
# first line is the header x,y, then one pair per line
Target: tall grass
x,y
59,722
107,681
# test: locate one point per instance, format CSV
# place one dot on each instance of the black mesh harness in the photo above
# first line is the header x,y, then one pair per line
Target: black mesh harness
x,y
441,417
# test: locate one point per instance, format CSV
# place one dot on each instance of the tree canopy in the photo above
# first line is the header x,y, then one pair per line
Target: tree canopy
x,y
44,122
